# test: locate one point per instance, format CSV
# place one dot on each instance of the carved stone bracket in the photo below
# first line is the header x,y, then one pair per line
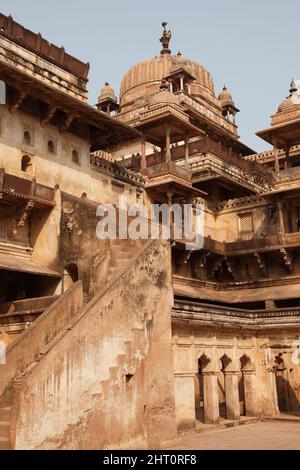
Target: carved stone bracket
x,y
230,268
204,258
23,213
287,259
19,100
49,114
261,263
187,256
67,122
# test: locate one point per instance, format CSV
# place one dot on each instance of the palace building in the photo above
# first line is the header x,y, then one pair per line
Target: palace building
x,y
122,343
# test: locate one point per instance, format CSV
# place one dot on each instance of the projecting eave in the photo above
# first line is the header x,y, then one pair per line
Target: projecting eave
x,y
287,133
111,130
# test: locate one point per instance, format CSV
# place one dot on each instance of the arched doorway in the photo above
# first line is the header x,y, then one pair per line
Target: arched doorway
x,y
224,362
206,392
282,383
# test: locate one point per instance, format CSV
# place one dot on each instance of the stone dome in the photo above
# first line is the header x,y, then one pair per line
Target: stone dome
x,y
292,100
107,91
225,97
163,97
144,78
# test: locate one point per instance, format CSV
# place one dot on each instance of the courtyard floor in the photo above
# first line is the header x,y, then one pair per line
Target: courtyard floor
x,y
267,435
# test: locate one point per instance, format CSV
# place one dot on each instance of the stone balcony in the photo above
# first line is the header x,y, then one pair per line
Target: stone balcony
x,y
261,244
168,170
14,188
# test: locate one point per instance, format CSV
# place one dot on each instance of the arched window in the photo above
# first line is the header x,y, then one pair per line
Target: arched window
x,y
27,138
75,156
51,146
25,163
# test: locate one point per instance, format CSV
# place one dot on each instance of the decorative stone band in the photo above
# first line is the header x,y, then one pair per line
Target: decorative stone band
x,y
211,315
268,155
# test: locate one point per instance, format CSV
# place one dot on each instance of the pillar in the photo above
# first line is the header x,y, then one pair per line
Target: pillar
x,y
280,216
232,394
186,151
185,400
273,391
211,397
168,144
181,83
276,158
249,378
143,153
287,156
170,196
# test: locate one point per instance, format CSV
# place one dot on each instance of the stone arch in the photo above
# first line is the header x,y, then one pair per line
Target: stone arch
x,y
203,364
246,362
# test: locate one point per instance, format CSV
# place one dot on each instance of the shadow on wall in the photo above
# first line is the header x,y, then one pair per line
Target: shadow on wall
x,y
287,398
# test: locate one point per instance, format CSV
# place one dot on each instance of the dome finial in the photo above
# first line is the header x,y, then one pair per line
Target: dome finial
x,y
165,39
293,87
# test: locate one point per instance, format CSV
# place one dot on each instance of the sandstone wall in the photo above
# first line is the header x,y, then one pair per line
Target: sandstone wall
x,y
107,381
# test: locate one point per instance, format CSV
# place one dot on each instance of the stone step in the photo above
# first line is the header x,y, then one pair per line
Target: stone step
x,y
4,443
4,428
5,413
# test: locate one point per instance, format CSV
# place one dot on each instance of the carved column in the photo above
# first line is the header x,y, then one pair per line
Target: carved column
x,y
273,390
181,83
168,143
186,151
287,156
276,158
280,216
232,394
211,397
143,153
185,399
249,378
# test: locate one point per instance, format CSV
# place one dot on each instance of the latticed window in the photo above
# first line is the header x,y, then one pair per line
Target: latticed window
x,y
246,222
117,191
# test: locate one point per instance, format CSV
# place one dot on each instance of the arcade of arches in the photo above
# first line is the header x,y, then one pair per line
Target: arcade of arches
x,y
228,374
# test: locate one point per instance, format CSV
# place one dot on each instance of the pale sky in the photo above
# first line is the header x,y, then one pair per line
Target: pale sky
x,y
251,46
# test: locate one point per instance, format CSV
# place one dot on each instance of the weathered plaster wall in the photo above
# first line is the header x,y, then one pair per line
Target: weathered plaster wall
x,y
84,393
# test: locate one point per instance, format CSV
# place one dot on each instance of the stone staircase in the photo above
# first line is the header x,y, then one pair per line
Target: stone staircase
x,y
121,252
124,365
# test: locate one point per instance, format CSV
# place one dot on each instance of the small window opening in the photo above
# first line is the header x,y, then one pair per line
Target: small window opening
x,y
75,157
51,146
26,163
27,138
